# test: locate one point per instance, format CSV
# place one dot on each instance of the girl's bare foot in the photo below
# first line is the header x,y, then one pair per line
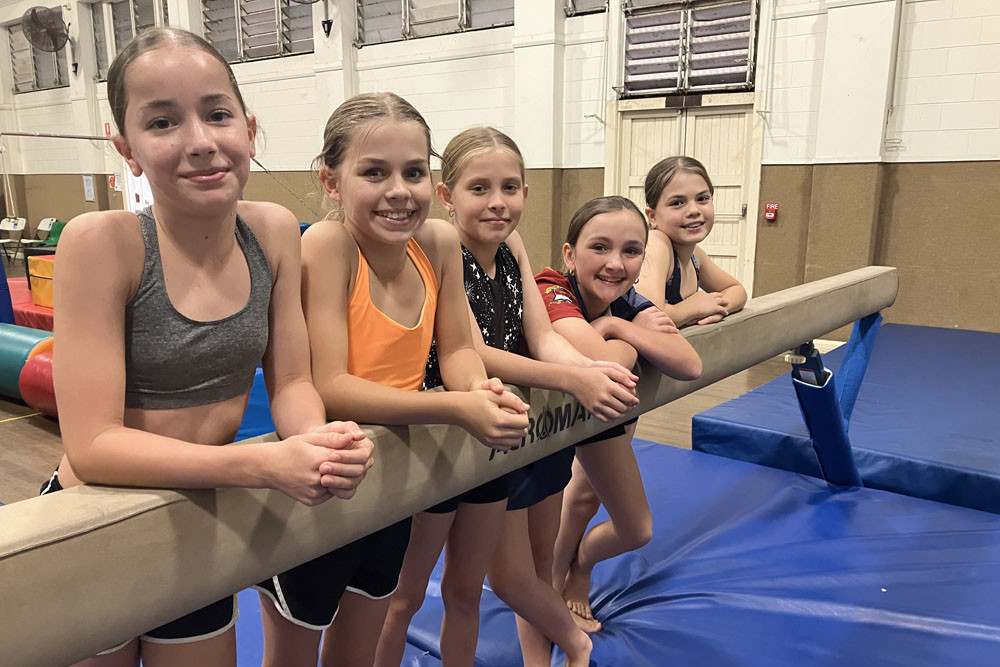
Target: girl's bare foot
x,y
585,624
576,592
579,656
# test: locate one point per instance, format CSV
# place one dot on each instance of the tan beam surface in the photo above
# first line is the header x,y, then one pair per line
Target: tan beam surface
x,y
89,567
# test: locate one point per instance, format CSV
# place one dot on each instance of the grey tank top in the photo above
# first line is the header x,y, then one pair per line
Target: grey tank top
x,y
172,361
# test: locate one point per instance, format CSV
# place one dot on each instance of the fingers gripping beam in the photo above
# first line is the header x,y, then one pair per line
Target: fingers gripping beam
x,y
89,567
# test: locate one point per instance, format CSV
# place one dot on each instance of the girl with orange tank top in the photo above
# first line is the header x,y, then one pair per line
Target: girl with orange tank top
x,y
371,333
377,284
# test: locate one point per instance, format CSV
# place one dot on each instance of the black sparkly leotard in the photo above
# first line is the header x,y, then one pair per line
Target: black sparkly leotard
x,y
498,304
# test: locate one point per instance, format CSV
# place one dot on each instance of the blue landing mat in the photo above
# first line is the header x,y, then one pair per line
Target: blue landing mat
x,y
926,422
257,416
753,566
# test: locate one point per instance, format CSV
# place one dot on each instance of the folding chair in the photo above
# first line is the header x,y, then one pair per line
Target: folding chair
x,y
11,230
44,226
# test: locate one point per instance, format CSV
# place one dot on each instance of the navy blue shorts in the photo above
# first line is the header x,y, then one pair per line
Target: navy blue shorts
x,y
199,625
549,475
492,491
537,481
309,594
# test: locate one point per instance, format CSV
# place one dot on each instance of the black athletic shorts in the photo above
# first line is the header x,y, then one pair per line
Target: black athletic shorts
x,y
204,623
309,594
492,491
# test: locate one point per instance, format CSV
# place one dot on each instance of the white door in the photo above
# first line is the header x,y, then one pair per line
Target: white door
x,y
647,138
720,139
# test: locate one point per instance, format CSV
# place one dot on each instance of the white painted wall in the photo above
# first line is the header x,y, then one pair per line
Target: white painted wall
x,y
553,65
48,111
837,88
546,81
455,81
792,83
585,87
948,89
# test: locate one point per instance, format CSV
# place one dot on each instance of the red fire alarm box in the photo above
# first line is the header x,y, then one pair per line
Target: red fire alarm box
x,y
771,212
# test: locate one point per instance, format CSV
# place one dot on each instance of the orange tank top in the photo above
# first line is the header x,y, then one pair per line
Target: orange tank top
x,y
379,348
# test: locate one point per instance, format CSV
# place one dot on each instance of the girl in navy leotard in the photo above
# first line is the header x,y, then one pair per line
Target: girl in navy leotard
x,y
483,190
595,307
678,276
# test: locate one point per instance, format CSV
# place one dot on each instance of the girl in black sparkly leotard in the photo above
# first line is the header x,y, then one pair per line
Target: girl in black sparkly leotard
x,y
483,190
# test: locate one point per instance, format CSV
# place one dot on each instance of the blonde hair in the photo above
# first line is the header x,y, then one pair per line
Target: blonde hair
x,y
663,172
357,111
469,143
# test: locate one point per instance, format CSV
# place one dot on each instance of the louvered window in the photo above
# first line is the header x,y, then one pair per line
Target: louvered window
x,y
381,21
698,45
433,17
575,7
121,23
33,68
489,13
128,18
100,40
253,29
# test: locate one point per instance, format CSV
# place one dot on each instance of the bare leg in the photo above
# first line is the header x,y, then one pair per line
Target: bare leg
x,y
126,656
542,616
614,474
218,651
427,537
352,639
579,506
285,643
471,543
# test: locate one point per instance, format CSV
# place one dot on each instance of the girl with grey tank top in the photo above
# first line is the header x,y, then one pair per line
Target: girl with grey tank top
x,y
163,318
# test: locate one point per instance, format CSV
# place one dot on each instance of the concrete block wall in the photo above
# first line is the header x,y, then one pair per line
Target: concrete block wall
x,y
875,112
585,90
948,87
793,84
844,85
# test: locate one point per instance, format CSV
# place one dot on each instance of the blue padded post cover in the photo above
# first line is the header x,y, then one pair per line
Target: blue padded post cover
x,y
822,414
857,354
827,410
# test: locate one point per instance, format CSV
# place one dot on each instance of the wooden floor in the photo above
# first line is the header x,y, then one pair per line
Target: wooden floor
x,y
30,447
671,423
29,450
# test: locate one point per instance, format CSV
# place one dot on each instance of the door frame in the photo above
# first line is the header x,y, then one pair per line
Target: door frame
x,y
615,113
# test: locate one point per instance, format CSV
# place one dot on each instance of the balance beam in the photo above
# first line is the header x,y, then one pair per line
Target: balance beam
x,y
92,566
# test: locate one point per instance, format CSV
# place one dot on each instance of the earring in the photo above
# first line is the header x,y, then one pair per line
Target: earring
x,y
451,213
636,281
